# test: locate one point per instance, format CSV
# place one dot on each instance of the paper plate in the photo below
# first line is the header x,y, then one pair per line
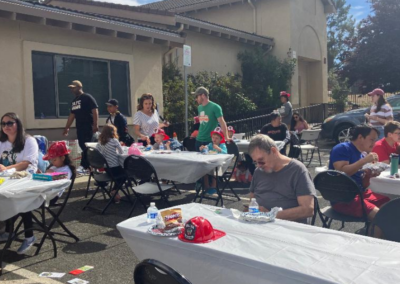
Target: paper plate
x,y
161,233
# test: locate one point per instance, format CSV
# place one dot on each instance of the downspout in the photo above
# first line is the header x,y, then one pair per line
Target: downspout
x,y
254,16
179,30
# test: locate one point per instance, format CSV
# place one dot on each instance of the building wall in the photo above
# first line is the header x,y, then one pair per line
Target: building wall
x,y
18,39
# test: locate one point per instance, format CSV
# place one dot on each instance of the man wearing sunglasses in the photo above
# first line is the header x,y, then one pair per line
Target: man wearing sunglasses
x,y
210,114
390,144
279,181
85,110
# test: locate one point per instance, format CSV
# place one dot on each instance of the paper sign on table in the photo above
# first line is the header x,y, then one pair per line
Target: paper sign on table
x,y
81,270
52,274
78,281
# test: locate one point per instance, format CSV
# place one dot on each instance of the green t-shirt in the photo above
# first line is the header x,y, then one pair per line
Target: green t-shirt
x,y
208,116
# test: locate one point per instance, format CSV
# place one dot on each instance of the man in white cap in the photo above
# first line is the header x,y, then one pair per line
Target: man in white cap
x,y
84,109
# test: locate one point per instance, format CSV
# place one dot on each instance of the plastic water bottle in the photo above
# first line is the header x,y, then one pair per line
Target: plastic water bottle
x,y
162,146
253,207
205,150
152,213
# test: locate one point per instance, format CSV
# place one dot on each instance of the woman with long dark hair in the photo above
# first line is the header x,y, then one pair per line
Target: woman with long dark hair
x,y
298,123
147,120
381,111
22,154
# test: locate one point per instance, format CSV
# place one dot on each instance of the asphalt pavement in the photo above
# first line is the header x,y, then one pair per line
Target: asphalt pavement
x,y
100,243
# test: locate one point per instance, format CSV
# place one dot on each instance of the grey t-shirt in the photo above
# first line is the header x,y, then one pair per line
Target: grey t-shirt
x,y
287,113
281,189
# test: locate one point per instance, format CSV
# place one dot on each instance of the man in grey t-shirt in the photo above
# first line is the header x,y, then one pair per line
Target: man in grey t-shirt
x,y
280,181
286,110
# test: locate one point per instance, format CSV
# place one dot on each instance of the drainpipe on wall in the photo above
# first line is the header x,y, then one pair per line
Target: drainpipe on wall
x,y
254,16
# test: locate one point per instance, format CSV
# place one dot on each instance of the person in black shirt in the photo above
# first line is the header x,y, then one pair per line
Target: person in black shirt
x,y
119,121
85,110
277,130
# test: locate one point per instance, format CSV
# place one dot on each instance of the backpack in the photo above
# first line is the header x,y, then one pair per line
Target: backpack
x,y
43,143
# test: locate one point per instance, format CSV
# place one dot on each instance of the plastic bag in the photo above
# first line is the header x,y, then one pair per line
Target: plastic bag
x,y
134,150
261,217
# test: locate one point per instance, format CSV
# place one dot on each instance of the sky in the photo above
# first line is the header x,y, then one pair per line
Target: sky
x,y
359,8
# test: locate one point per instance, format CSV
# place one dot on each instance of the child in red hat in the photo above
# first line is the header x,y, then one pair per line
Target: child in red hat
x,y
58,156
160,137
231,131
217,146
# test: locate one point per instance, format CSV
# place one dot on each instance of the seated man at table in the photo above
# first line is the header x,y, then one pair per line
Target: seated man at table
x,y
350,157
277,130
390,144
279,181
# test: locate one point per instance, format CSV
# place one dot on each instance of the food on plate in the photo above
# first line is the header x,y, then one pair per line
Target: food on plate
x,y
170,219
19,175
212,152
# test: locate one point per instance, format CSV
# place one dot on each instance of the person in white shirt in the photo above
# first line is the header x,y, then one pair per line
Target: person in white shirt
x,y
22,155
380,113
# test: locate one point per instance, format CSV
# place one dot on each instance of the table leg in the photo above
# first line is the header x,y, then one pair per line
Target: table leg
x,y
218,191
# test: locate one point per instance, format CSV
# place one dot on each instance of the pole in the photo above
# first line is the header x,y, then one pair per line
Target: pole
x,y
186,103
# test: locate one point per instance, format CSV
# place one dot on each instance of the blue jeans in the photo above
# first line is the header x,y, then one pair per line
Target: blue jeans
x,y
199,144
381,132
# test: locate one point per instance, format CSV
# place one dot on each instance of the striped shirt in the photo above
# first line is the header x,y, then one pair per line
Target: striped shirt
x,y
385,112
110,151
146,123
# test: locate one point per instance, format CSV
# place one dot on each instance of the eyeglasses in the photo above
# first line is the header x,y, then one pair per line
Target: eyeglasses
x,y
8,123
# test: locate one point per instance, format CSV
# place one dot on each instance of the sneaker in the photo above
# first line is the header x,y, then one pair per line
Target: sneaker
x,y
26,245
211,191
4,237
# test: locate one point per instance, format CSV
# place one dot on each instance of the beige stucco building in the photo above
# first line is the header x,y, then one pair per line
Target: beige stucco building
x,y
118,50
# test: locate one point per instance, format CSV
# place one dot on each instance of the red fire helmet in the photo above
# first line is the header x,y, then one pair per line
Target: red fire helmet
x,y
57,149
200,230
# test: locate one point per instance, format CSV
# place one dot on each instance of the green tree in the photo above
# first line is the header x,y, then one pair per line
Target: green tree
x,y
340,26
264,76
339,89
373,59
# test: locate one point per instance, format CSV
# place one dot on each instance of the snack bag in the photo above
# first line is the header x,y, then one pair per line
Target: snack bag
x,y
172,218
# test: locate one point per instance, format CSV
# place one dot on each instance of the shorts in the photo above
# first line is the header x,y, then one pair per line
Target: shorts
x,y
354,208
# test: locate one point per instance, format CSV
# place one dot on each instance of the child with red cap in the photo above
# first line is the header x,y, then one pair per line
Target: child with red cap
x,y
217,146
161,138
58,156
231,131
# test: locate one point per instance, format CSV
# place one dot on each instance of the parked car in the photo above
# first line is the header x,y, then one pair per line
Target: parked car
x,y
337,127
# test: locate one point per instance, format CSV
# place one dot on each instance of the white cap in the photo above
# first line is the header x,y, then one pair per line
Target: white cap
x,y
152,204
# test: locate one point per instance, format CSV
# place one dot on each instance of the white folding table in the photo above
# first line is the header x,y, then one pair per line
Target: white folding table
x,y
277,252
243,145
385,184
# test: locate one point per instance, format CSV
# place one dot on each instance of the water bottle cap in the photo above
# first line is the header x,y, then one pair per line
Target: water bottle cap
x,y
152,204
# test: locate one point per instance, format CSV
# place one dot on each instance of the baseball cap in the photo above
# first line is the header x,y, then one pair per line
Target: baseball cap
x,y
200,91
75,83
112,102
161,132
200,230
377,91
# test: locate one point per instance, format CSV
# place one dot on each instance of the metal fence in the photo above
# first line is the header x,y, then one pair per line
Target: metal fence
x,y
314,114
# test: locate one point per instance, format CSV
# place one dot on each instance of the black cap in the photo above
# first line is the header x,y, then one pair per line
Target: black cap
x,y
112,102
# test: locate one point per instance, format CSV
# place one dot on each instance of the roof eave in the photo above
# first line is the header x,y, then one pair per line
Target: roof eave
x,y
84,23
329,7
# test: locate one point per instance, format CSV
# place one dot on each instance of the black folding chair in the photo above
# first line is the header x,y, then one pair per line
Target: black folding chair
x,y
151,271
336,186
189,144
227,175
97,162
139,168
387,219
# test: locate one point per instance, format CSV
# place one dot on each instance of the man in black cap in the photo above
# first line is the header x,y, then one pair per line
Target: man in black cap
x,y
85,110
119,121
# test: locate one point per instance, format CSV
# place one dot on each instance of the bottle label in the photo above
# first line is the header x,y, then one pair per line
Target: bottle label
x,y
152,215
253,210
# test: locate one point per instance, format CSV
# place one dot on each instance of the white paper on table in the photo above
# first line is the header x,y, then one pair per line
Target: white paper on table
x,y
77,281
52,274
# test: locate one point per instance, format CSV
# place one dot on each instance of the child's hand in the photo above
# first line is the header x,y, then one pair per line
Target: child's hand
x,y
202,147
216,147
168,145
49,171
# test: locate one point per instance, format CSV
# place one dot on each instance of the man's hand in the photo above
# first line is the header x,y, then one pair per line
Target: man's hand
x,y
372,158
2,168
262,209
95,129
66,130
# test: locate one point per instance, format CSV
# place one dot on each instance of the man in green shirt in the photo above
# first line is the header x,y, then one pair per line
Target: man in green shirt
x,y
210,114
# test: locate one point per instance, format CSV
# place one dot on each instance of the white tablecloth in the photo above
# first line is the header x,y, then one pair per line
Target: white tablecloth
x,y
185,167
278,252
24,195
384,184
243,145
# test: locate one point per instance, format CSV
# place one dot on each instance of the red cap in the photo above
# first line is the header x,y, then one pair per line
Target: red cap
x,y
196,119
200,230
377,91
57,149
218,131
230,128
161,132
283,93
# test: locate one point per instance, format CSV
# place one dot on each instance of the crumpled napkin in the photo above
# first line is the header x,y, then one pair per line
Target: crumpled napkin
x,y
260,217
7,173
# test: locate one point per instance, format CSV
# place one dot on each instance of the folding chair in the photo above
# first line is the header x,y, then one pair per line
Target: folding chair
x,y
387,219
311,139
227,175
151,271
239,136
96,162
336,186
189,144
140,168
